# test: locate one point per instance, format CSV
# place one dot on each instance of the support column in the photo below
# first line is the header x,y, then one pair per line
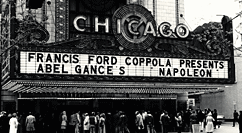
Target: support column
x,y
182,101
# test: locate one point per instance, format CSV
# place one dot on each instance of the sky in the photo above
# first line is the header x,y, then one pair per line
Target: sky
x,y
198,12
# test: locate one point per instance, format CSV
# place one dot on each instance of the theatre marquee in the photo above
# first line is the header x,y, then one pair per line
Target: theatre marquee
x,y
113,65
127,46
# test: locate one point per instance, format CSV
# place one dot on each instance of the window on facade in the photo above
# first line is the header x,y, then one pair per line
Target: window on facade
x,y
34,4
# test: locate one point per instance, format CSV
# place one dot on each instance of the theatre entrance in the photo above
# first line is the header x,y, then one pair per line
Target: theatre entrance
x,y
111,105
96,105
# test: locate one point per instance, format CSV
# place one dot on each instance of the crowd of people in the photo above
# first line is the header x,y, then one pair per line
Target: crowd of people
x,y
190,121
118,122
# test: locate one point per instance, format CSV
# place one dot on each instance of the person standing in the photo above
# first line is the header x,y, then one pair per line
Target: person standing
x,y
139,122
72,123
209,120
20,123
86,123
93,122
115,121
144,114
193,121
162,113
30,123
63,121
77,121
215,115
235,115
1,121
149,120
102,127
4,122
178,119
165,119
98,121
200,118
13,123
123,123
240,121
186,120
10,115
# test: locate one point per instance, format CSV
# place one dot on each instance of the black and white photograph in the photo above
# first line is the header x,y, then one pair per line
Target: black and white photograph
x,y
120,66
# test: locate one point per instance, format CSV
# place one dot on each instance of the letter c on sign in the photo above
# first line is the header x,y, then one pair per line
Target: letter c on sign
x,y
131,25
75,23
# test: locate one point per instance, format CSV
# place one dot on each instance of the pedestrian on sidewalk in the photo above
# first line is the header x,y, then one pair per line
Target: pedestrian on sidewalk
x,y
201,118
240,121
179,120
149,120
30,123
235,115
93,122
86,123
63,122
13,122
123,123
165,119
186,120
193,121
102,123
215,115
209,127
138,122
162,114
4,122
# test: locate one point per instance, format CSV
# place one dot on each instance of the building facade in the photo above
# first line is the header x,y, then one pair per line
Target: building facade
x,y
128,55
228,100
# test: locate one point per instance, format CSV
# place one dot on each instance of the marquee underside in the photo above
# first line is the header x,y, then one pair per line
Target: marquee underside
x,y
107,89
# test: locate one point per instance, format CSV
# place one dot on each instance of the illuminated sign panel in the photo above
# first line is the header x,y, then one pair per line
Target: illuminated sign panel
x,y
133,26
113,65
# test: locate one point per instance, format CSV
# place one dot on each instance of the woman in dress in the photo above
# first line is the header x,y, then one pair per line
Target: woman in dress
x,y
13,123
63,121
209,120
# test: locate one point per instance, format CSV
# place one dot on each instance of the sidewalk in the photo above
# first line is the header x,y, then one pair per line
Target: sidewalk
x,y
224,128
227,128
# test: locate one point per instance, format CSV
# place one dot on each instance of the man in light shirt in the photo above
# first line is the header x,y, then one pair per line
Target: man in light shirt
x,y
77,121
30,120
139,122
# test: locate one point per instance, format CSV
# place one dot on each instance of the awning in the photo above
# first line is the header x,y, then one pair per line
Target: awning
x,y
99,88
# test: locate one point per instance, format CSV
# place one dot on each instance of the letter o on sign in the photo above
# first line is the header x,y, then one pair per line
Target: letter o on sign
x,y
182,31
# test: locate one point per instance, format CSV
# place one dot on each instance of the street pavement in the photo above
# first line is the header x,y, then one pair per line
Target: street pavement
x,y
225,127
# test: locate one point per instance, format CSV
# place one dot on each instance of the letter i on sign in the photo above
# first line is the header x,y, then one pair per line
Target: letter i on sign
x,y
118,26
